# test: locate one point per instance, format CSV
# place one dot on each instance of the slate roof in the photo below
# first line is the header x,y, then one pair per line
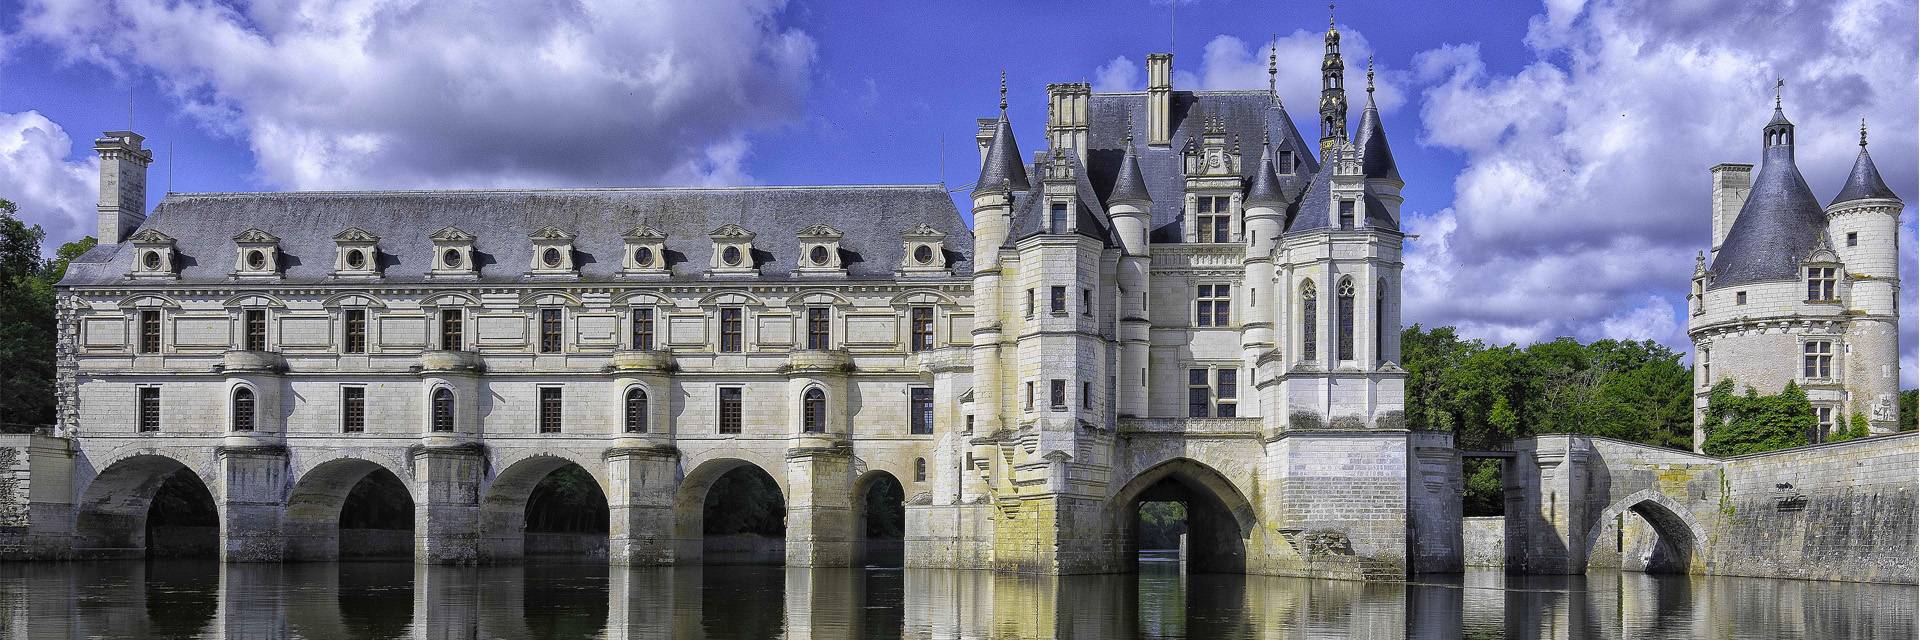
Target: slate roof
x,y
1311,212
1266,189
1376,156
1030,209
873,219
1129,184
1248,115
1777,227
1864,181
1003,163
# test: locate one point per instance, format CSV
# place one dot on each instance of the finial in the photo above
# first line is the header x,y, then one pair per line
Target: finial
x,y
1129,131
1329,16
1369,74
1863,132
1266,138
1777,84
1003,92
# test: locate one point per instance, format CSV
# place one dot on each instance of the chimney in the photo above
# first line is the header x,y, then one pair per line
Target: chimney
x,y
123,184
1159,99
984,136
1731,184
1067,116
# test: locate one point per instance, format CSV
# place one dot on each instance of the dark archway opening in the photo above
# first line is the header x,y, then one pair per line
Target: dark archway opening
x,y
1651,539
1176,505
182,519
1483,511
376,520
883,522
567,516
744,519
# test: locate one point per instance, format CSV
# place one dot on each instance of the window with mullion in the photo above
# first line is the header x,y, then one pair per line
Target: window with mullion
x,y
1215,219
1309,323
149,331
550,410
920,410
819,328
1344,310
922,328
730,341
643,329
1198,395
149,409
451,331
354,330
730,400
551,336
1058,394
1213,305
353,409
1226,392
255,321
1817,359
1821,284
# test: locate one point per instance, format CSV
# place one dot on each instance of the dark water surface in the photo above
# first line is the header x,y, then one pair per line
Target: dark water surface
x,y
188,599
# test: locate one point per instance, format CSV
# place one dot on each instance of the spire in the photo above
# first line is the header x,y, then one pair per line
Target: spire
x,y
1333,92
1273,66
1376,157
1864,181
1265,190
1003,169
1130,184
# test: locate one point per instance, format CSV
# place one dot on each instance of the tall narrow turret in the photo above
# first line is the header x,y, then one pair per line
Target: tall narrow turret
x,y
1333,94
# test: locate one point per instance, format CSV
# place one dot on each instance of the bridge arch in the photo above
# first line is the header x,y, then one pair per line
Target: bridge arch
x,y
1679,536
320,495
1220,519
112,515
880,519
503,505
690,505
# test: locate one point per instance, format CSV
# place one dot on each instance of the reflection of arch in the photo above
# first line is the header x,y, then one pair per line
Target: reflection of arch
x,y
690,500
1678,532
312,523
111,517
1219,518
503,510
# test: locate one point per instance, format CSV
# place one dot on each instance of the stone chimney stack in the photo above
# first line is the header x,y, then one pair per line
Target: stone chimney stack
x,y
1159,99
123,184
1067,126
1731,183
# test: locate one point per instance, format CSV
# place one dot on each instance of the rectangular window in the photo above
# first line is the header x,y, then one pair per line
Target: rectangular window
x,y
1310,327
1058,301
149,331
353,409
1821,283
730,329
1086,302
1823,416
643,329
450,329
1283,162
819,328
730,409
550,337
1817,359
354,328
1853,239
1226,392
1086,395
1057,218
256,330
1739,297
149,409
920,410
1029,395
922,328
1706,366
550,409
1197,393
1343,308
1058,395
1346,214
1029,303
1213,305
1214,219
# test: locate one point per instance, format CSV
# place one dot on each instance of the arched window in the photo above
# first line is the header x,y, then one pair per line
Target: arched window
x,y
636,410
242,409
919,469
1380,322
1344,309
442,409
1309,322
813,407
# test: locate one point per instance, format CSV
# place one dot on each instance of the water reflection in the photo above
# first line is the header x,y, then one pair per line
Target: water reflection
x,y
398,600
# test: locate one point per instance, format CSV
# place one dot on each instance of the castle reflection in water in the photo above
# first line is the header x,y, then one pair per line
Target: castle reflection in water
x,y
400,600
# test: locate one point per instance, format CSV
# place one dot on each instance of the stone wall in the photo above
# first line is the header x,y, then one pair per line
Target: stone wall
x,y
1485,540
1840,511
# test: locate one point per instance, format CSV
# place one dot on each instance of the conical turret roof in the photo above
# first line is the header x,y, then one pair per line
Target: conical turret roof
x,y
1129,184
1864,181
1376,157
1003,165
1780,223
1265,190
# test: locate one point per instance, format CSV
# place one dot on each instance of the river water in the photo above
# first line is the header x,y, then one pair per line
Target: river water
x,y
180,599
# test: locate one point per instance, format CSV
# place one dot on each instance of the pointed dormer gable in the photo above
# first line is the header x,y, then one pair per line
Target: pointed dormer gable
x,y
256,254
153,253
552,252
646,252
453,254
356,253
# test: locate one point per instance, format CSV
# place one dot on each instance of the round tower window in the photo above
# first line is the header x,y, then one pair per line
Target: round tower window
x,y
923,254
643,256
450,258
256,259
356,259
731,256
550,257
151,260
819,254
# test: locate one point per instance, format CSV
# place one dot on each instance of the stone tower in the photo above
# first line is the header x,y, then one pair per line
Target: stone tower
x,y
123,184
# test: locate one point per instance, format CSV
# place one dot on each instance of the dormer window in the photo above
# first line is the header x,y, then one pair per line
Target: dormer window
x,y
153,255
1821,284
1213,218
925,251
1283,162
646,252
820,252
552,252
1057,217
453,254
257,254
1347,214
356,253
732,252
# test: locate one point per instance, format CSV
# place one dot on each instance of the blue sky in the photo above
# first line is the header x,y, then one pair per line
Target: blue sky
x,y
1556,154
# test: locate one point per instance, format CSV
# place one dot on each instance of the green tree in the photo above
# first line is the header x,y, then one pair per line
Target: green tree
x,y
1753,423
1909,409
26,325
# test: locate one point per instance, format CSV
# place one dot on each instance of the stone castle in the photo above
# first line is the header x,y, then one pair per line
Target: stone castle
x,y
1793,292
1179,298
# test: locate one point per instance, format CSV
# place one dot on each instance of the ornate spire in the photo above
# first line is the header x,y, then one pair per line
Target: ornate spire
x,y
1003,93
1369,78
1863,133
1333,92
1273,65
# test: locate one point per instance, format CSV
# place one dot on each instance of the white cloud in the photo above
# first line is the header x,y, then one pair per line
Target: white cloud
x,y
1585,191
363,93
1227,62
50,190
1118,74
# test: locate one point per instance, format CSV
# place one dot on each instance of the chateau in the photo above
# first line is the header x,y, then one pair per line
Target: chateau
x,y
1793,292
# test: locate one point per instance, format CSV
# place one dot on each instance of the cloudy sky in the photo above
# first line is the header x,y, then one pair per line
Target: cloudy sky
x,y
1556,154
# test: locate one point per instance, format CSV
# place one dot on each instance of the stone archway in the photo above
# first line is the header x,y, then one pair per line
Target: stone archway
x,y
318,504
1678,535
1219,519
113,515
880,520
738,542
504,534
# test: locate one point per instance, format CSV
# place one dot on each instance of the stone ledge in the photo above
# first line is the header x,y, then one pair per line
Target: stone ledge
x,y
241,361
649,360
451,362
